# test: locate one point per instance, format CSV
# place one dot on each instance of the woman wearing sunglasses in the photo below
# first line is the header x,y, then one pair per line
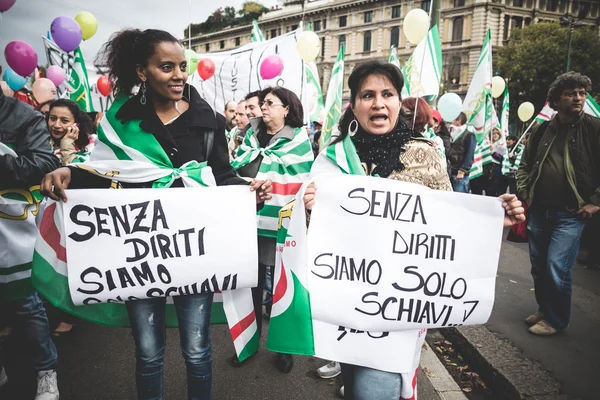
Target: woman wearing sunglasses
x,y
275,147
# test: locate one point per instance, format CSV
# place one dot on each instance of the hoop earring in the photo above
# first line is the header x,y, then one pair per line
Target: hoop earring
x,y
143,89
352,129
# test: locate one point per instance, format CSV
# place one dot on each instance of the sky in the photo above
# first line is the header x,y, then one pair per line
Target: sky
x,y
28,20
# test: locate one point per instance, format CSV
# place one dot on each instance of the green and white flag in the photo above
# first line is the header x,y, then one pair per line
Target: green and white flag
x,y
504,115
256,35
76,85
479,108
591,107
286,163
126,153
423,70
314,94
333,102
394,57
512,160
18,211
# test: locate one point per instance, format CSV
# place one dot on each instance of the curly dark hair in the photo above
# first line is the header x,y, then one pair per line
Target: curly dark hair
x,y
355,80
86,126
567,81
295,117
127,49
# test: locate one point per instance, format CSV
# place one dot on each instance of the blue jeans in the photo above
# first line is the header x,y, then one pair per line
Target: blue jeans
x,y
362,383
554,235
147,318
32,323
461,186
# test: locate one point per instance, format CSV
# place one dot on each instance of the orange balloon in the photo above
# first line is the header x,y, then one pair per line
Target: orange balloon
x,y
43,90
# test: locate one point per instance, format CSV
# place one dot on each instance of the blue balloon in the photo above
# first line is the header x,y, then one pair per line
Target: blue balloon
x,y
14,81
450,106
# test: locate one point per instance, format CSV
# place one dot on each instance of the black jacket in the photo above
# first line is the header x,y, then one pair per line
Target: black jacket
x,y
24,129
185,146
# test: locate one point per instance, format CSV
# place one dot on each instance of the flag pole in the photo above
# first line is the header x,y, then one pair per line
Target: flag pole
x,y
523,134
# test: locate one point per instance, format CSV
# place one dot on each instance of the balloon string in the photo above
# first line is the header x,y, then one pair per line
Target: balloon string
x,y
421,69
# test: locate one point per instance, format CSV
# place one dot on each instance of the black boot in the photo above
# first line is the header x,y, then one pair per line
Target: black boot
x,y
235,362
285,362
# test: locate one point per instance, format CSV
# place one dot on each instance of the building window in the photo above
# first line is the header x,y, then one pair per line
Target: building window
x,y
396,12
294,27
368,17
323,46
316,26
551,5
454,71
516,23
207,47
457,29
459,3
426,5
342,42
343,21
273,33
237,41
527,21
222,44
506,26
367,41
324,24
517,3
395,36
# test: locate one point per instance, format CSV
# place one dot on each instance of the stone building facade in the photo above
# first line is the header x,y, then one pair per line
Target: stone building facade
x,y
368,28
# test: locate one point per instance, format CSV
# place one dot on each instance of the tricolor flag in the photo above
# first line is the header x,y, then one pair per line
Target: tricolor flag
x,y
333,102
546,114
256,36
423,70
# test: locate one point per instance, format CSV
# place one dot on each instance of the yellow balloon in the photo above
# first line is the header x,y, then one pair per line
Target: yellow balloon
x,y
88,24
498,86
308,46
525,111
416,25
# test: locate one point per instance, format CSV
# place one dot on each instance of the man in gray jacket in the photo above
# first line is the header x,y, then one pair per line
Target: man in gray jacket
x,y
25,157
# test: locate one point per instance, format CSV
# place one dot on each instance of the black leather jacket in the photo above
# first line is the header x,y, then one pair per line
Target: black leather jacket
x,y
25,130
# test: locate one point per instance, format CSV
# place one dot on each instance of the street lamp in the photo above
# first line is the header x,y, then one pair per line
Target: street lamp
x,y
574,22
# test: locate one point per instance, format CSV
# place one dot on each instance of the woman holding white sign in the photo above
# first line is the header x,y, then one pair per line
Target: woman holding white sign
x,y
276,147
374,139
164,136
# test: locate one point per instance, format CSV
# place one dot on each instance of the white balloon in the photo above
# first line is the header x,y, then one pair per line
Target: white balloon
x,y
450,106
498,86
416,25
308,45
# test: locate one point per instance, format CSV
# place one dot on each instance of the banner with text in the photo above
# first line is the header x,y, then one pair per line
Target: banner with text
x,y
237,72
388,256
135,244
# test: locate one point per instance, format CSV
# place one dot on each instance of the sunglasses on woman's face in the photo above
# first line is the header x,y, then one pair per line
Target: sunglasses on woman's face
x,y
270,103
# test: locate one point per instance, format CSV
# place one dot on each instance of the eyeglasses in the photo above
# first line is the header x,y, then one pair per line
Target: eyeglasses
x,y
270,103
573,93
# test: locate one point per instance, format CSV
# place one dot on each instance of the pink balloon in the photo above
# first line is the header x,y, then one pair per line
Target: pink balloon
x,y
21,57
271,67
5,5
55,74
43,90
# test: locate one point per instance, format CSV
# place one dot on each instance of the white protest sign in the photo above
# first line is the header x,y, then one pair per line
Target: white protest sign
x,y
237,72
141,243
385,255
397,352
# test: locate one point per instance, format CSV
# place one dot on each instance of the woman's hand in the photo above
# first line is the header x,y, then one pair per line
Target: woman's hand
x,y
54,184
309,196
262,189
72,132
513,210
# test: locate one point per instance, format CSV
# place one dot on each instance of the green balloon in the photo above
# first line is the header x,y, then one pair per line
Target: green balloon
x,y
192,59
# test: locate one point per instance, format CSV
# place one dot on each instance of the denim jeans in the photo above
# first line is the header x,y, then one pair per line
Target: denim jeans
x,y
362,383
554,236
31,323
461,186
147,318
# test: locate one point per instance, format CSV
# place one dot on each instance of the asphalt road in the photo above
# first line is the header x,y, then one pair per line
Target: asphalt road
x,y
97,362
572,356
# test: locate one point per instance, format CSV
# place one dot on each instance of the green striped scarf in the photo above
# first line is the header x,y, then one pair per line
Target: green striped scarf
x,y
509,167
286,163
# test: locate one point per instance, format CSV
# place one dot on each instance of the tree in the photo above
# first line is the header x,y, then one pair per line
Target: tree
x,y
537,54
252,10
222,18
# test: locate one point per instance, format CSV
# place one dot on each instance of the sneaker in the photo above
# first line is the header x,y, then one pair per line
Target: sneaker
x,y
534,318
542,328
330,370
341,391
3,377
47,388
